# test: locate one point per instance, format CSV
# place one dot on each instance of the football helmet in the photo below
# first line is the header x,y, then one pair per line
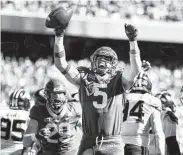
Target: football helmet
x,y
19,100
142,84
56,95
166,100
39,97
104,60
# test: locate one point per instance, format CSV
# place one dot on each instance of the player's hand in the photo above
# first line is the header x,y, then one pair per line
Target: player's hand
x,y
146,65
131,32
43,134
59,32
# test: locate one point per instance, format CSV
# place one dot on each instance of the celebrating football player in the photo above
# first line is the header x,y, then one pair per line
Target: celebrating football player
x,y
55,124
141,113
170,122
14,121
101,89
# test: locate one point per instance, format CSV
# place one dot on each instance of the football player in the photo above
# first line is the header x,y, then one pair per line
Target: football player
x,y
101,89
141,113
55,124
170,122
14,121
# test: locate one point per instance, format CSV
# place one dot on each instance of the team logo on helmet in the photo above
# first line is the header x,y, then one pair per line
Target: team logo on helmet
x,y
142,83
19,100
104,60
56,95
166,100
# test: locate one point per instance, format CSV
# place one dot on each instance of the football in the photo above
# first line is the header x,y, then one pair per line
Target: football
x,y
59,17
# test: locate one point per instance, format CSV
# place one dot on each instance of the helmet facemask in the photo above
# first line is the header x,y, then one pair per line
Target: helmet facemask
x,y
166,100
104,60
56,100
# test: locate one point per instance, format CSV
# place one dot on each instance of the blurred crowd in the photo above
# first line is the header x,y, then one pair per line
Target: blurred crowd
x,y
165,10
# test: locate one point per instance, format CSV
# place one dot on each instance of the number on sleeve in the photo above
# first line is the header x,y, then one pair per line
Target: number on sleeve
x,y
98,92
137,110
5,127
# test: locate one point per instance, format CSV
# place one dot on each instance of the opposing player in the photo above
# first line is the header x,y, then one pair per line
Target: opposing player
x,y
14,121
141,113
55,124
170,122
101,89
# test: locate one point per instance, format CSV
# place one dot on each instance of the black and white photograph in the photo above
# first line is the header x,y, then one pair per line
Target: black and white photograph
x,y
91,77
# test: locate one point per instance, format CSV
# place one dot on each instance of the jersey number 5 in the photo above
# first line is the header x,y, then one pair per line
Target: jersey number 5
x,y
137,110
98,92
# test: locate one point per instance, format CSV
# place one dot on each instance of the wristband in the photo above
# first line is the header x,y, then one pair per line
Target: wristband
x,y
65,71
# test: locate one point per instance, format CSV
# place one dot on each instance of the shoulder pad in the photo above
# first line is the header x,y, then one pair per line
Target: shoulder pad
x,y
83,69
154,102
36,112
172,116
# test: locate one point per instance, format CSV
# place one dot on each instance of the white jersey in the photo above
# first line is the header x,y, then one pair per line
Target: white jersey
x,y
140,114
13,125
169,129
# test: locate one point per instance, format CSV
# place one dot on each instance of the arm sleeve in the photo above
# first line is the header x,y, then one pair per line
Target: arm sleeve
x,y
135,64
157,129
70,72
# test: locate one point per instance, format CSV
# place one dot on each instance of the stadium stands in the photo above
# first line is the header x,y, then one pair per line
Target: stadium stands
x,y
135,9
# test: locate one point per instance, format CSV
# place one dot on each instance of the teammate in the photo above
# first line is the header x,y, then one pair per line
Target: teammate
x,y
170,122
141,113
101,89
14,121
55,124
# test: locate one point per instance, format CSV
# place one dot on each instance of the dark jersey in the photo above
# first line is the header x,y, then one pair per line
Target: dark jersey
x,y
102,104
63,129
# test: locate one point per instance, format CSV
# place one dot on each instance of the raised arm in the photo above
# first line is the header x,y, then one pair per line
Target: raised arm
x,y
70,72
158,131
135,60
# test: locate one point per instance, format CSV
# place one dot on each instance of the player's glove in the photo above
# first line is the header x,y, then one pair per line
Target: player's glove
x,y
59,32
131,32
146,65
43,134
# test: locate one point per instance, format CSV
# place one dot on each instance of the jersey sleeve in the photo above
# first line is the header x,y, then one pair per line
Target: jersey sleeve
x,y
157,129
36,113
169,126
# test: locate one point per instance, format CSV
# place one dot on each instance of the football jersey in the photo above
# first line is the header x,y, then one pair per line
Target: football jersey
x,y
169,129
13,126
102,104
137,118
169,126
63,127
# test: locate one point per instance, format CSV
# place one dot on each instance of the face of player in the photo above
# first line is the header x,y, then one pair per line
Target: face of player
x,y
103,63
57,99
